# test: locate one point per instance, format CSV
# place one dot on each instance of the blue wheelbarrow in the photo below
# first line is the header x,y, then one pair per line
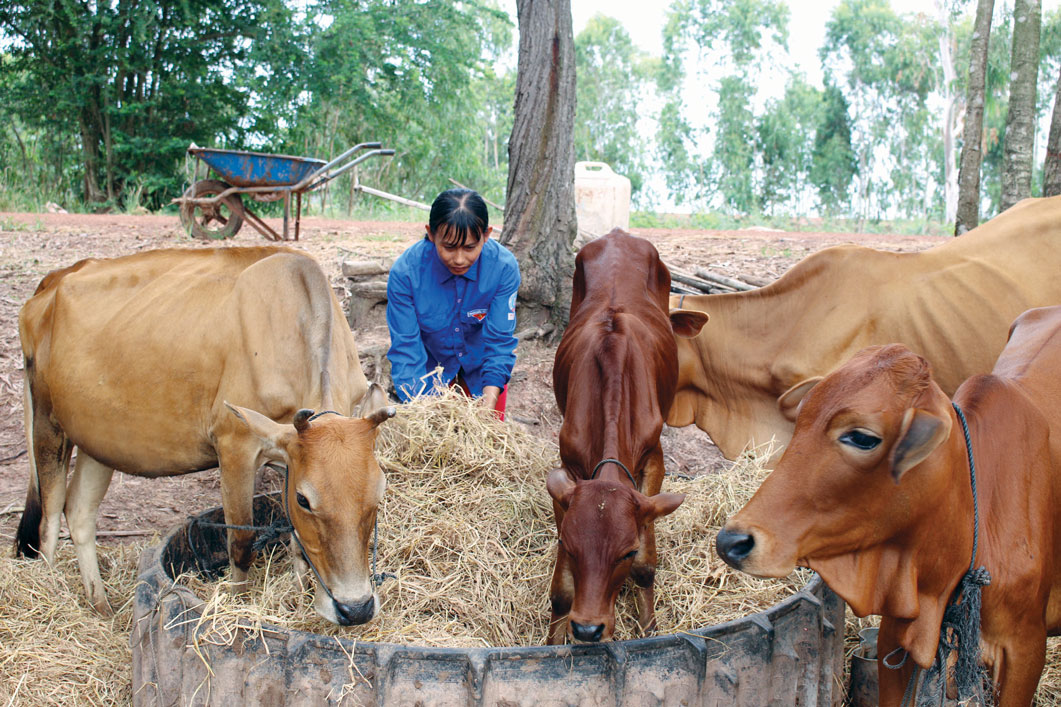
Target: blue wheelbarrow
x,y
214,208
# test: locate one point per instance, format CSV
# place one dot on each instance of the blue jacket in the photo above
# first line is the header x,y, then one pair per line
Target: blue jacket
x,y
460,322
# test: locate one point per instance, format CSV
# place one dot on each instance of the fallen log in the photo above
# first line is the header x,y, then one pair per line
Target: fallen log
x,y
367,268
723,280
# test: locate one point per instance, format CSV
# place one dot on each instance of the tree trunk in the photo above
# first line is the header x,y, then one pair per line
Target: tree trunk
x,y
968,215
1052,163
90,139
540,223
1020,118
950,100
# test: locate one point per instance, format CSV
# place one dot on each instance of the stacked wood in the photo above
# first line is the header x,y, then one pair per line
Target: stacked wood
x,y
367,285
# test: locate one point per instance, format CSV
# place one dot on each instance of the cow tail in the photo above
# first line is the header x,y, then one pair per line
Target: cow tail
x,y
28,536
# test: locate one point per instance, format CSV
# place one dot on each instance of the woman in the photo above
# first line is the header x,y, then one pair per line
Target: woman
x,y
451,303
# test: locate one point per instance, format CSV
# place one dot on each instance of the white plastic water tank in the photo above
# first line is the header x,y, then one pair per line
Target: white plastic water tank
x,y
602,199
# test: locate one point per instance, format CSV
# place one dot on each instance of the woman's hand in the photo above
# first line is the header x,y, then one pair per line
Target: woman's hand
x,y
490,395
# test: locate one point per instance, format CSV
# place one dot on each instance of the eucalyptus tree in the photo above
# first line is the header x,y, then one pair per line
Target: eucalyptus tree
x,y
833,160
1050,50
613,80
1019,141
878,59
731,41
968,212
785,140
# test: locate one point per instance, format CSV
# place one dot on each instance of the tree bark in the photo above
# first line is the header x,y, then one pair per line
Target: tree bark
x,y
1020,118
1052,163
540,224
950,100
968,214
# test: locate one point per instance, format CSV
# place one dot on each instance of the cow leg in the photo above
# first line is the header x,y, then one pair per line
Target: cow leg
x,y
1022,666
298,563
87,486
237,500
643,570
561,595
51,458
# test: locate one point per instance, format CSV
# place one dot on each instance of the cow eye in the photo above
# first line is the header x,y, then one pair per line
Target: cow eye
x,y
629,556
302,501
860,440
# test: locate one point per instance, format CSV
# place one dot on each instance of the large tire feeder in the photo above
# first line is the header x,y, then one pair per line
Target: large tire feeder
x,y
790,654
211,221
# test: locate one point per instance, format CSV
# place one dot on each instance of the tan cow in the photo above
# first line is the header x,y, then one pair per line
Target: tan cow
x,y
874,493
172,361
952,304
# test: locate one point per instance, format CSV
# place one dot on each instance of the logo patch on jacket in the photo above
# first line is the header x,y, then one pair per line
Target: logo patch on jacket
x,y
477,314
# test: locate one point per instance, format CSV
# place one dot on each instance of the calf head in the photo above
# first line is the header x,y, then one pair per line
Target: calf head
x,y
858,476
602,535
333,490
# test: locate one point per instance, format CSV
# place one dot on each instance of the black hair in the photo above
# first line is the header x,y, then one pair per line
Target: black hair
x,y
457,216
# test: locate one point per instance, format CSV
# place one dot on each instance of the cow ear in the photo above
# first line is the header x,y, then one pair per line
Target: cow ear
x,y
560,487
275,438
687,323
373,406
919,435
788,402
662,504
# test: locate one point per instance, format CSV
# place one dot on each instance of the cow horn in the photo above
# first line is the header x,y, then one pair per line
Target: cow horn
x,y
382,415
302,420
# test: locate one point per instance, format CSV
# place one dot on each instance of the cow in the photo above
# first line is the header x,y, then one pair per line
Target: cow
x,y
172,361
952,303
613,377
874,493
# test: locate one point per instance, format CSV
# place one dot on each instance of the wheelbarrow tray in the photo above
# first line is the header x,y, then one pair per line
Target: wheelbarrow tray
x,y
257,169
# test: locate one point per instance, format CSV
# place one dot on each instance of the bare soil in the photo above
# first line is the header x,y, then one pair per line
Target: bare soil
x,y
31,245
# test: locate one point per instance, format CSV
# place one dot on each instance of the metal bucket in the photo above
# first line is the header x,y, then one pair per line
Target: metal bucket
x,y
863,690
790,654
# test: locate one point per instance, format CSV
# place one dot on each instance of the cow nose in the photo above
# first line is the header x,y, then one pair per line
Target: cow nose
x,y
350,614
734,548
587,634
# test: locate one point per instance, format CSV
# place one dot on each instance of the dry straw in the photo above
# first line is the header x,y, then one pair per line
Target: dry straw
x,y
467,530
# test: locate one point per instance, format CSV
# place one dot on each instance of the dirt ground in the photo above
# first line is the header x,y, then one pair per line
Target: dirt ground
x,y
33,244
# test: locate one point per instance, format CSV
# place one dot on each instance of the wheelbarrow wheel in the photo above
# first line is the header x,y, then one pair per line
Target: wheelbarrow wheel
x,y
211,221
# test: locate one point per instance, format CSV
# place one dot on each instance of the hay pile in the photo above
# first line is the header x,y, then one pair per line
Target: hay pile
x,y
466,527
54,649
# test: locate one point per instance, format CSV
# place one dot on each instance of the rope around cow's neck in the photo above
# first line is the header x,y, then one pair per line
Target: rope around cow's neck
x,y
276,529
960,627
622,466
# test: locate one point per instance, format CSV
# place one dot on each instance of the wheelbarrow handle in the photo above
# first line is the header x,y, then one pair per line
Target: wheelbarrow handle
x,y
388,152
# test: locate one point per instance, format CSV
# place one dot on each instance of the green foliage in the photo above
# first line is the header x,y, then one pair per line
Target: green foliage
x,y
129,83
834,163
612,79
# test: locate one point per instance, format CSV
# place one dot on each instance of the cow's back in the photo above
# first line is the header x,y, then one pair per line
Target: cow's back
x,y
135,356
952,304
617,359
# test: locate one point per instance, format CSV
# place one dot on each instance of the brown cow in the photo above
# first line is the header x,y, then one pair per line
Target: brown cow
x,y
953,304
143,362
874,493
613,377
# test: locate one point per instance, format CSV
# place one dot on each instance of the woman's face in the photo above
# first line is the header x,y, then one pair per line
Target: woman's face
x,y
459,258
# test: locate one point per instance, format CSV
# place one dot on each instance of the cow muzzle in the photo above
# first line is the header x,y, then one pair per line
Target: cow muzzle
x,y
754,552
356,613
734,547
587,633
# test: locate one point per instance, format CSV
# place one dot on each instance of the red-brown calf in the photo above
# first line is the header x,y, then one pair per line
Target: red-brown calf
x,y
614,378
874,494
